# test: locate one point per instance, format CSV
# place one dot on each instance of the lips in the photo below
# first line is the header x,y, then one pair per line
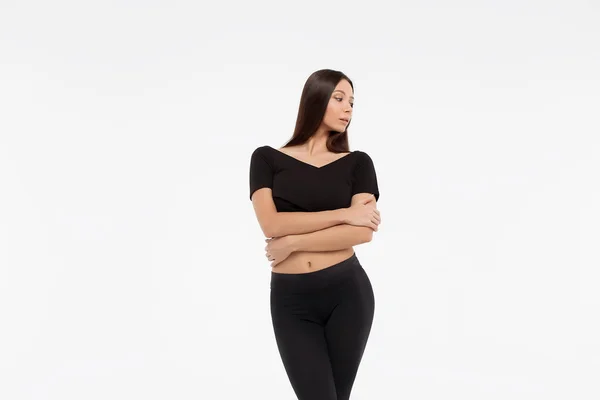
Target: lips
x,y
344,119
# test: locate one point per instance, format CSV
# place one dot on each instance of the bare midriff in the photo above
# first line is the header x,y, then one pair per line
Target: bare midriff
x,y
303,262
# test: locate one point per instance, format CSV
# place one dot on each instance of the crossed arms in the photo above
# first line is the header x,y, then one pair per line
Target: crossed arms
x,y
311,231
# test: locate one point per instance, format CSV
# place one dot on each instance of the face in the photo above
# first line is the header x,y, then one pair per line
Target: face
x,y
339,110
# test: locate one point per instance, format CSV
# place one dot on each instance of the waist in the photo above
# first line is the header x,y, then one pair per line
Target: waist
x,y
310,261
317,279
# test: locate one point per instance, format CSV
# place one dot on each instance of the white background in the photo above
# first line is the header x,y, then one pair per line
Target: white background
x,y
132,265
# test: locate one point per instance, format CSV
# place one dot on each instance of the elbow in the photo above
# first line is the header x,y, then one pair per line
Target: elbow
x,y
270,231
272,227
268,227
368,235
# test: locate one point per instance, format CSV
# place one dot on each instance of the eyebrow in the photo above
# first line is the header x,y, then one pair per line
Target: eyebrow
x,y
352,97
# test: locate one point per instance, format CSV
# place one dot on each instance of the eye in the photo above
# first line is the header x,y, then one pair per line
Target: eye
x,y
340,99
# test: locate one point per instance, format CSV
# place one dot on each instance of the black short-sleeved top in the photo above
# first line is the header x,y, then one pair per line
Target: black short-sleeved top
x,y
299,186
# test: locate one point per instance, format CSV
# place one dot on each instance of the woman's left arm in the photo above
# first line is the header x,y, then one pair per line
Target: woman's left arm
x,y
334,238
337,237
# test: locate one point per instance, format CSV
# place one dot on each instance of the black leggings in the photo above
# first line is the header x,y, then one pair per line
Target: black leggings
x,y
322,321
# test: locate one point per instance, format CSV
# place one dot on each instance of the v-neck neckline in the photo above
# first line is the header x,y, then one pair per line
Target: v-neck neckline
x,y
310,165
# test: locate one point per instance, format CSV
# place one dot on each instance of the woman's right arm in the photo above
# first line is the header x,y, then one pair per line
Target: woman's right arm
x,y
277,224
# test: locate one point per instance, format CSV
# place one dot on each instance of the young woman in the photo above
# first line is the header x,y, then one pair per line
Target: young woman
x,y
314,199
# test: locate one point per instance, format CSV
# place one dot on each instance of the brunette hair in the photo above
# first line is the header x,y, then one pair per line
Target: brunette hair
x,y
313,104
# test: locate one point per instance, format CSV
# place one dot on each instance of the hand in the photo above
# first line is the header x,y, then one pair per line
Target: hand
x,y
364,213
278,249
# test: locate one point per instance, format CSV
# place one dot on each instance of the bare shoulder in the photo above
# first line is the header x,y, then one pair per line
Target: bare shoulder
x,y
290,150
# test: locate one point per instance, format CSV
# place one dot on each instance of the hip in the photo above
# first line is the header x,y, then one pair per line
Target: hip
x,y
347,274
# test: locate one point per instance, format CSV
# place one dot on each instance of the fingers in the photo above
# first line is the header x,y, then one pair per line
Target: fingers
x,y
373,206
369,199
377,214
376,222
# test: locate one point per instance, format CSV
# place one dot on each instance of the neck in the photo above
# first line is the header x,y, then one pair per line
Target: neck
x,y
317,144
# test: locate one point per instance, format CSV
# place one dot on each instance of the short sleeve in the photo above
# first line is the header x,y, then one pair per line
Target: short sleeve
x,y
261,171
364,176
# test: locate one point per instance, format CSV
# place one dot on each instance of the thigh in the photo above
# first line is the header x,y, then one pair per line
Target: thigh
x,y
303,349
348,329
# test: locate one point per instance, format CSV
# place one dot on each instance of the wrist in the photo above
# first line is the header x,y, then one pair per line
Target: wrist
x,y
341,216
294,242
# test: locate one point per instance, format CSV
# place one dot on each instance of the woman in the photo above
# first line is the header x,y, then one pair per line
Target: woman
x,y
314,199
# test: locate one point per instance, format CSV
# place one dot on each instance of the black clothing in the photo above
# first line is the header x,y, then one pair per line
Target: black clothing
x,y
322,321
299,186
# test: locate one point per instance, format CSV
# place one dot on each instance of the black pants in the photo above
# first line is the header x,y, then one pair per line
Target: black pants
x,y
322,321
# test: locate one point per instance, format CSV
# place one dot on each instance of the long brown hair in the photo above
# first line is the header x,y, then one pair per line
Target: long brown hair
x,y
313,104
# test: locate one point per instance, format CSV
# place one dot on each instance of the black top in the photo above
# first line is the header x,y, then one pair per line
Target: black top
x,y
299,186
